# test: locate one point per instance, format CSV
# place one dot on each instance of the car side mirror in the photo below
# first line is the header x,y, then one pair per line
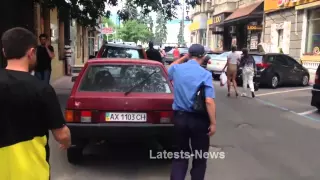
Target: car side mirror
x,y
91,57
74,78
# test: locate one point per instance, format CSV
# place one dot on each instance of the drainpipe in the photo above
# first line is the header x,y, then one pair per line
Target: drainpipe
x,y
296,23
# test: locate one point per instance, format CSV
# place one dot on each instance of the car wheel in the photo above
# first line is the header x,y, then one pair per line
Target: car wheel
x,y
74,155
274,81
305,80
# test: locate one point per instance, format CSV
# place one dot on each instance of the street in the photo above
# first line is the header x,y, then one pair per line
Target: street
x,y
272,137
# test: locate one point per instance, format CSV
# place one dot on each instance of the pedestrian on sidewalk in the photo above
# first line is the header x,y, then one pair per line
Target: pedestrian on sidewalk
x,y
29,108
45,54
232,68
190,125
249,69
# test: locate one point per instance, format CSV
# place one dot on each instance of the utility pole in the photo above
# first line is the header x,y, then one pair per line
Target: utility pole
x,y
183,6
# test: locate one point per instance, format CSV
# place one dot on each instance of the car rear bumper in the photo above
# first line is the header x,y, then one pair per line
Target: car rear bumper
x,y
315,100
118,131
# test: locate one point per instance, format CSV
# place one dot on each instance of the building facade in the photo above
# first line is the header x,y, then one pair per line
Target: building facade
x,y
52,22
293,26
198,26
235,22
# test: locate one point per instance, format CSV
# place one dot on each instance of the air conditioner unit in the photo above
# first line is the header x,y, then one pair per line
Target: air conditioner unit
x,y
208,1
232,29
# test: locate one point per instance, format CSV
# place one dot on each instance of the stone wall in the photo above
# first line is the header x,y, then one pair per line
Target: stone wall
x,y
281,16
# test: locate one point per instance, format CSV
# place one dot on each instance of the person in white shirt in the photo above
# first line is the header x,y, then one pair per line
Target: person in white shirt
x,y
232,67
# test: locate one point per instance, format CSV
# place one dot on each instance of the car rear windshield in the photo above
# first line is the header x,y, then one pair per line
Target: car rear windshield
x,y
122,52
121,78
258,59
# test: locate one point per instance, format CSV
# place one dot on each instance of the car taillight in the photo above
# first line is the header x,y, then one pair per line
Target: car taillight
x,y
86,116
316,79
263,65
69,116
166,117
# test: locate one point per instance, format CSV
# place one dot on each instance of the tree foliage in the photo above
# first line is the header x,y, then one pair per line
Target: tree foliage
x,y
88,11
181,41
161,29
134,31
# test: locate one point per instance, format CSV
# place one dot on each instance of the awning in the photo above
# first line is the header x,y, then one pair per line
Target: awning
x,y
309,5
249,12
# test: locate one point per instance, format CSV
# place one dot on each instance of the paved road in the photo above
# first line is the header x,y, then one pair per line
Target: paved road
x,y
272,137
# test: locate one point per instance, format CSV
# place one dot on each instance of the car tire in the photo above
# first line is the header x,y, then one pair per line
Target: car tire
x,y
305,80
74,155
274,82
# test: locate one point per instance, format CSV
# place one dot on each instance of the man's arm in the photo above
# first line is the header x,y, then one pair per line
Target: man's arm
x,y
180,60
50,51
210,103
54,117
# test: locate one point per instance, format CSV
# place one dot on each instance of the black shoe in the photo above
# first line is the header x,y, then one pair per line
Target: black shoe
x,y
252,93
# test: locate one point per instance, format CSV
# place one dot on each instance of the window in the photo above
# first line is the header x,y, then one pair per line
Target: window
x,y
257,59
291,61
281,60
313,37
280,37
121,78
122,52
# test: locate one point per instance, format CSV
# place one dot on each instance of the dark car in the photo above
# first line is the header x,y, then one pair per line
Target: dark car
x,y
121,50
119,100
277,69
315,101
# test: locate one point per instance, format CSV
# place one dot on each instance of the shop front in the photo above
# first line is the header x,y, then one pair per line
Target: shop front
x,y
245,26
293,27
220,33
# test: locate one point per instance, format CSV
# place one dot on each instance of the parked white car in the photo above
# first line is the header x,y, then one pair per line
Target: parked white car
x,y
217,63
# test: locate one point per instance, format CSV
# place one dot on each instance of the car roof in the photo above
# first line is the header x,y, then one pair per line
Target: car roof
x,y
122,61
123,45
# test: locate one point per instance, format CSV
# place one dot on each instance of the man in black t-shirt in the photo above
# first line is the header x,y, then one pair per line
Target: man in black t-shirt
x,y
29,108
153,54
45,53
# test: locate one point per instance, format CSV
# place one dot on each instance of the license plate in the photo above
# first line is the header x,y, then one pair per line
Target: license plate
x,y
126,117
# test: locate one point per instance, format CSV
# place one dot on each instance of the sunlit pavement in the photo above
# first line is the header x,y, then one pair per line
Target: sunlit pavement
x,y
264,139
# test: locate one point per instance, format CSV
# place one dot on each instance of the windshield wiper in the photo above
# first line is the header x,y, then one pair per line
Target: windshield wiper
x,y
141,82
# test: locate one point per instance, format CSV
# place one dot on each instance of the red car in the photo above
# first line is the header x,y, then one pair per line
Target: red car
x,y
119,99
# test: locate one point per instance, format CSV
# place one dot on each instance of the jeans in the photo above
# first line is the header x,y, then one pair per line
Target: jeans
x,y
247,77
190,127
43,75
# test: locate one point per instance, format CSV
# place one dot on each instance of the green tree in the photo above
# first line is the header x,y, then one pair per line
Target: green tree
x,y
134,31
110,23
88,11
148,21
181,41
161,31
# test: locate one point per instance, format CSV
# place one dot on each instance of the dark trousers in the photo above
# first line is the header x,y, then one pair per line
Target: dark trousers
x,y
190,127
43,75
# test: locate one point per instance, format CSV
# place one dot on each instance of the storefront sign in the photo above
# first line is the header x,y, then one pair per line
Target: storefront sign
x,y
254,42
273,5
254,27
217,19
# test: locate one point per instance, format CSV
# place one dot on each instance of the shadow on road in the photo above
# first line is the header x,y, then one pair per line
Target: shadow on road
x,y
123,157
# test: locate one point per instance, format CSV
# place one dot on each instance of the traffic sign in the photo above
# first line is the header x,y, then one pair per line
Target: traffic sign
x,y
107,30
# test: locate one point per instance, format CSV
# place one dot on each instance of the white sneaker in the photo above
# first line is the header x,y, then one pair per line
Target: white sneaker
x,y
244,95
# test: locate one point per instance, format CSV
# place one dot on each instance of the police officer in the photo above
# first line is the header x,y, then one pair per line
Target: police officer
x,y
189,125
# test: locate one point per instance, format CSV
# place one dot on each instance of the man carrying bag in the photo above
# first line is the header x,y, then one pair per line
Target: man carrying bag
x,y
194,112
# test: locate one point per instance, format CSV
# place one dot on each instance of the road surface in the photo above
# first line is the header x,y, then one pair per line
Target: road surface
x,y
272,137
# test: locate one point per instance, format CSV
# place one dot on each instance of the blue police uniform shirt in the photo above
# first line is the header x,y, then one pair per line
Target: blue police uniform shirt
x,y
187,78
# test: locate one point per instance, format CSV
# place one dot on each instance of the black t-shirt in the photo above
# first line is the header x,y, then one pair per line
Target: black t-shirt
x,y
43,58
29,108
153,54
